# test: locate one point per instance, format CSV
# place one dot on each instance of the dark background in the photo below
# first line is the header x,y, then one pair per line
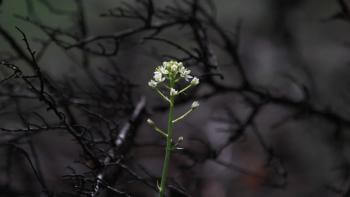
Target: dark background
x,y
274,97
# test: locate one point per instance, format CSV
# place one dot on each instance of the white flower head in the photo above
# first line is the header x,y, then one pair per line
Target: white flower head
x,y
158,77
152,84
172,71
163,70
195,81
185,73
173,92
195,104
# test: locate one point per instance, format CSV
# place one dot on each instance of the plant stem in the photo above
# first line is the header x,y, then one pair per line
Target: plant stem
x,y
168,146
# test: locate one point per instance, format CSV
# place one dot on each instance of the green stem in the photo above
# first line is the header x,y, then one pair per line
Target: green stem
x,y
168,146
183,116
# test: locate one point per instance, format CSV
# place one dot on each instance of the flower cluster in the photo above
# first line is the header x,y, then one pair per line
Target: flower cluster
x,y
172,70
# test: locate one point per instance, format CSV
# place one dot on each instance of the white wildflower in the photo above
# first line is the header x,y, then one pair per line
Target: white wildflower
x,y
173,92
195,104
167,65
158,77
195,81
152,84
183,71
163,70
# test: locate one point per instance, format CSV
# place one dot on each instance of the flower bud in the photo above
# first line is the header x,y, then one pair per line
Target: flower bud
x,y
180,139
174,67
195,81
150,122
195,104
173,92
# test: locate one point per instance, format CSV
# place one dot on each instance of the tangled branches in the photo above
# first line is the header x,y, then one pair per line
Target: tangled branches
x,y
96,106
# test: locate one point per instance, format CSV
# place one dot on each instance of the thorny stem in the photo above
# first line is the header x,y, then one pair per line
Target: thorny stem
x,y
168,144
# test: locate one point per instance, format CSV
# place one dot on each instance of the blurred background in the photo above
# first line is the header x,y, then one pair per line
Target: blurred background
x,y
274,97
